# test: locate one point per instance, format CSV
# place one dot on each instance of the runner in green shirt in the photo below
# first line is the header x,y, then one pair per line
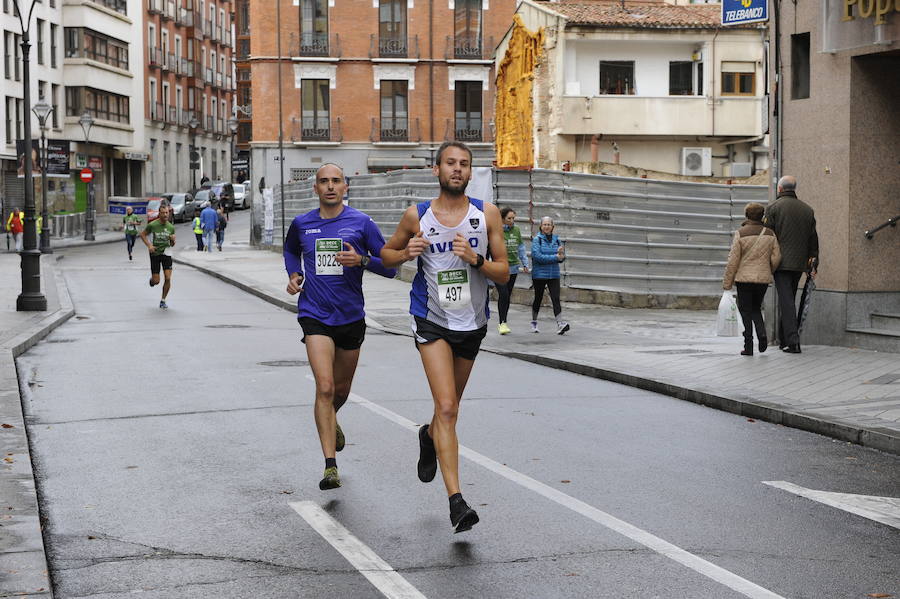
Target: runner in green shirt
x,y
131,222
162,234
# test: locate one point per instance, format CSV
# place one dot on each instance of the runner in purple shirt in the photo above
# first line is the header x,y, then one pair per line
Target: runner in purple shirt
x,y
325,253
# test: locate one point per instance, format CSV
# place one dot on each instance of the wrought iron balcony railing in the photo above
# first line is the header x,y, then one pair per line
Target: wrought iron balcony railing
x,y
320,128
469,47
395,129
314,45
393,46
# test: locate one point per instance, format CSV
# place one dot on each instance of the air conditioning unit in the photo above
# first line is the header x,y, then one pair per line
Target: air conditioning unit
x,y
696,162
738,169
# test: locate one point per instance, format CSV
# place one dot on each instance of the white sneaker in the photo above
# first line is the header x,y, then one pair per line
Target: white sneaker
x,y
561,327
534,327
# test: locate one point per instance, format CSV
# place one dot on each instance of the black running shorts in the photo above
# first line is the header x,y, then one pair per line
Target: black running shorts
x,y
157,260
345,336
465,344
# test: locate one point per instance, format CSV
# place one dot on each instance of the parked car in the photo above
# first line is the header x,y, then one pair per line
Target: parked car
x,y
182,206
153,209
241,196
203,196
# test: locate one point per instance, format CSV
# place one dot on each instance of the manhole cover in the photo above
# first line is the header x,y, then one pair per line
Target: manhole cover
x,y
285,363
675,351
61,341
227,326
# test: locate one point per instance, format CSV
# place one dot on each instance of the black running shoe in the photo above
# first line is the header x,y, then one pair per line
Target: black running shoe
x,y
331,480
339,440
462,517
427,466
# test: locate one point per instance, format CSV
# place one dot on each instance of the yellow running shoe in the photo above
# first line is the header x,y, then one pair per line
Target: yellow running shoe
x,y
503,328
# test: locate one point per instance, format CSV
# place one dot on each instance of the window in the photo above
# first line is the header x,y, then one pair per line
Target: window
x,y
40,41
316,123
738,78
392,28
54,100
394,111
681,78
243,17
19,124
617,77
42,89
54,32
8,50
800,66
99,104
17,59
467,28
87,43
10,111
314,27
468,111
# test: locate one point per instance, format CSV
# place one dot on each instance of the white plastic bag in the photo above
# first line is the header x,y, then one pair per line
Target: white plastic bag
x,y
728,324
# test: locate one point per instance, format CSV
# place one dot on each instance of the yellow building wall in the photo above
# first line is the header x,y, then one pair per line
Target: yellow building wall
x,y
515,80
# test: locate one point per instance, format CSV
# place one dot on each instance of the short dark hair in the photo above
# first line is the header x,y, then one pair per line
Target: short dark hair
x,y
754,211
451,144
506,210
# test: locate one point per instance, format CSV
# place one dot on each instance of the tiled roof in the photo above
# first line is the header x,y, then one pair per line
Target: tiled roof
x,y
641,14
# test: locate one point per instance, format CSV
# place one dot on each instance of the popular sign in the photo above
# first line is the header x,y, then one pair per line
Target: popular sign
x,y
738,12
868,8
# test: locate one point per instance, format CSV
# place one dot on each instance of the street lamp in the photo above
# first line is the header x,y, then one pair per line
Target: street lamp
x,y
42,110
193,124
232,126
87,121
31,299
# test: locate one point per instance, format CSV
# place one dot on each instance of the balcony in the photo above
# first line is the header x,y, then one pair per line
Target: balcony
x,y
395,130
171,115
393,47
168,9
316,129
208,76
154,56
226,38
205,27
184,117
155,7
469,48
466,130
314,45
219,79
669,115
172,61
243,51
184,17
156,111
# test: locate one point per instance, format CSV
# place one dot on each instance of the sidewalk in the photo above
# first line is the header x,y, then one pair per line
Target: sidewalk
x,y
850,395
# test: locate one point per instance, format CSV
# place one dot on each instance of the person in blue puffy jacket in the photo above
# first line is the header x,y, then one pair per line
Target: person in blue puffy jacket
x,y
546,254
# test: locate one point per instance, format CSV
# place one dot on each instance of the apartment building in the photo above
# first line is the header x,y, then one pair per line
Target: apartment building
x,y
649,85
189,84
372,84
46,38
243,104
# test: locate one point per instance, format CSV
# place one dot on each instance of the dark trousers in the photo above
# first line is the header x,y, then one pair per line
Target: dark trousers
x,y
552,286
199,237
786,282
129,241
503,293
749,302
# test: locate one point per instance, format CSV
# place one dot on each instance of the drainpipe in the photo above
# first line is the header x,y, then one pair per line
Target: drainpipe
x,y
713,87
431,73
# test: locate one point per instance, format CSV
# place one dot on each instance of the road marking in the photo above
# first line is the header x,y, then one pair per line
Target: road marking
x,y
376,570
881,509
699,565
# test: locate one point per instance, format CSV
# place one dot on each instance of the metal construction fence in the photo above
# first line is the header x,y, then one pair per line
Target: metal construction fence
x,y
623,235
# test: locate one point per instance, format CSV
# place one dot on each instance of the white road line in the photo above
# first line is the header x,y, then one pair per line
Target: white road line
x,y
376,570
700,565
880,509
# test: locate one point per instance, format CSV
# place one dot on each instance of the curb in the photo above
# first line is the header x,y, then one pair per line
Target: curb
x,y
883,440
26,570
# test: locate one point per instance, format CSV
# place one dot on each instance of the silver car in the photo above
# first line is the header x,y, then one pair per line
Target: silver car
x,y
241,196
182,206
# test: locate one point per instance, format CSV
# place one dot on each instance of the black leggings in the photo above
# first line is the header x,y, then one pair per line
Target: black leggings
x,y
553,286
503,293
749,302
129,241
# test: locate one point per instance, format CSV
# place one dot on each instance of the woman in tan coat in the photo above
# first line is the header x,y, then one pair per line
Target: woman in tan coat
x,y
754,257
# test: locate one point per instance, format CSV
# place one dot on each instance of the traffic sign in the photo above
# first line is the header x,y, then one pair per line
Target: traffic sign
x,y
87,175
738,12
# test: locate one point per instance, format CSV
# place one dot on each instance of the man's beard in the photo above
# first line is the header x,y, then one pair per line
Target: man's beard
x,y
450,188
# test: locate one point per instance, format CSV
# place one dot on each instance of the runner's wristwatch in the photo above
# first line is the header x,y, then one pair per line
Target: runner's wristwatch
x,y
364,261
479,262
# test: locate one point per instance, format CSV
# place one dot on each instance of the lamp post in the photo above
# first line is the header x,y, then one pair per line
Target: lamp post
x,y
232,126
42,110
87,121
192,155
31,299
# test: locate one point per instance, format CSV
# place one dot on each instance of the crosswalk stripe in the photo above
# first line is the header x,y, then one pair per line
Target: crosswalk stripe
x,y
376,570
880,509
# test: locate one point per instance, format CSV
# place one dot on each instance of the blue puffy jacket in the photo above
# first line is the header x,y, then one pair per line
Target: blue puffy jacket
x,y
544,263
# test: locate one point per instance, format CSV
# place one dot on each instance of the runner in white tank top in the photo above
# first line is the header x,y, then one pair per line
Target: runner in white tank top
x,y
450,237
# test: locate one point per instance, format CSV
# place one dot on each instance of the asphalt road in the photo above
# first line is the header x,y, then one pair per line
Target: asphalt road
x,y
176,457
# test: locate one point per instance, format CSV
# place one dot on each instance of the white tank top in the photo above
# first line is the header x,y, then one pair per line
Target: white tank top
x,y
448,291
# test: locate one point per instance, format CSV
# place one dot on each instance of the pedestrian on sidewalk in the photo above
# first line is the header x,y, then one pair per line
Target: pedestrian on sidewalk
x,y
518,260
198,232
754,256
546,254
130,223
161,234
221,223
15,225
209,222
325,253
794,224
450,238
